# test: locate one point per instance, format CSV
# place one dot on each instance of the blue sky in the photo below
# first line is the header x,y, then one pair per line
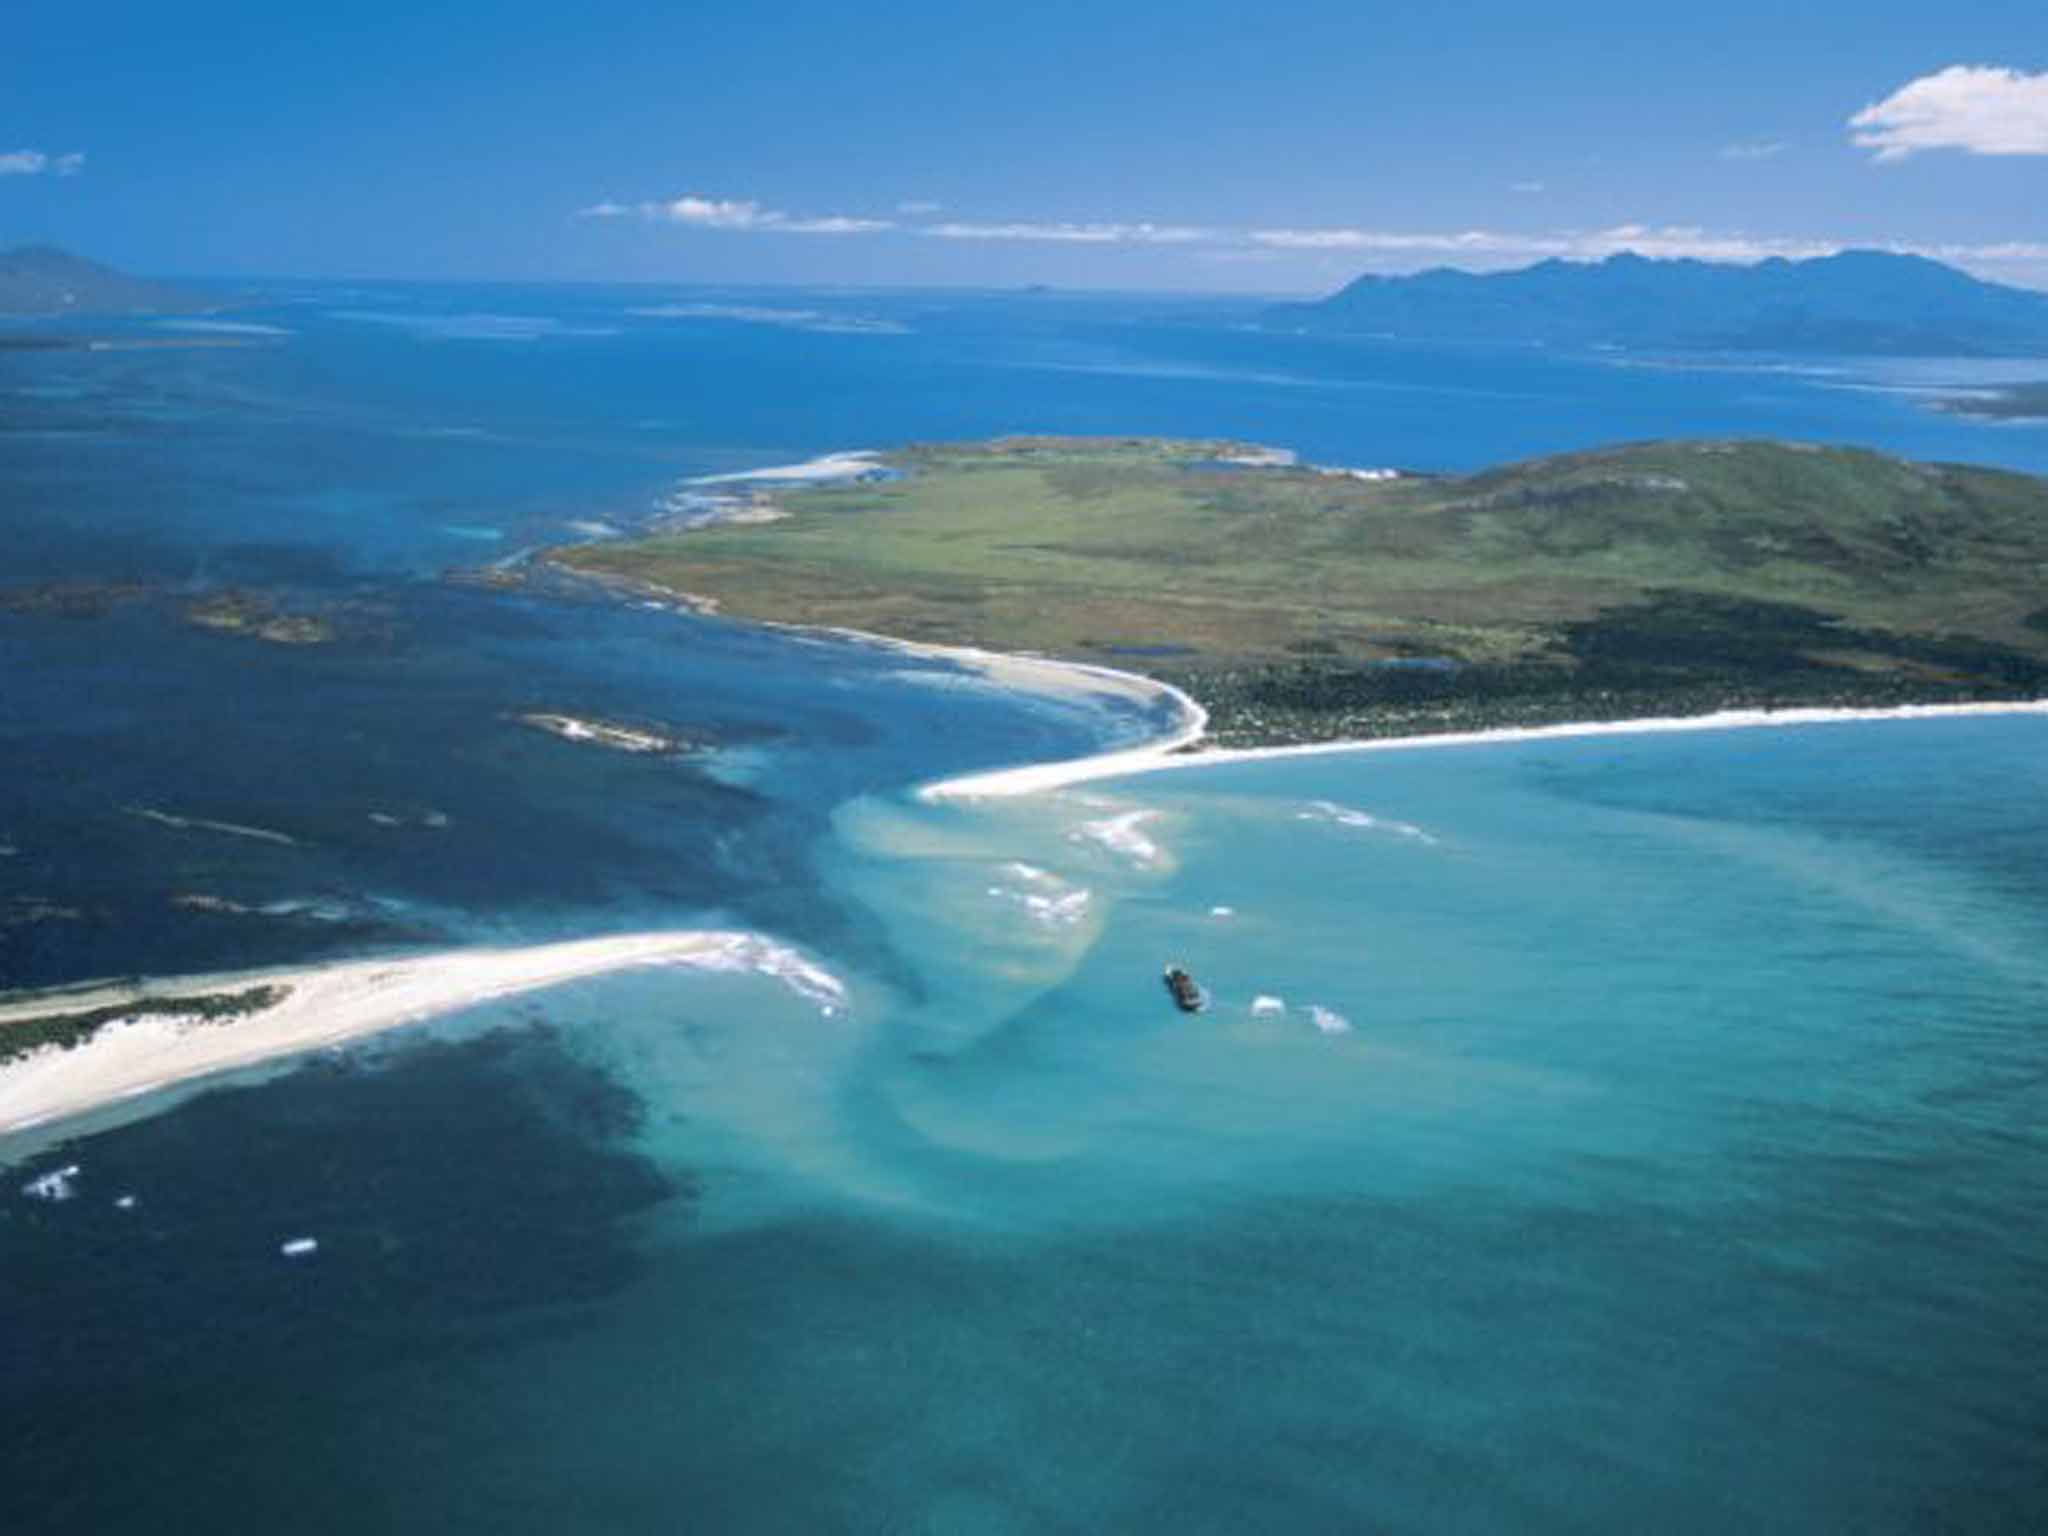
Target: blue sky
x,y
1276,147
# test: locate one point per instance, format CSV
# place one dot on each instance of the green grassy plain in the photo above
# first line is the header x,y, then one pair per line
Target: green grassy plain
x,y
1849,571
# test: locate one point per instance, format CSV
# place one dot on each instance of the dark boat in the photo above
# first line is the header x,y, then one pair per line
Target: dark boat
x,y
1186,995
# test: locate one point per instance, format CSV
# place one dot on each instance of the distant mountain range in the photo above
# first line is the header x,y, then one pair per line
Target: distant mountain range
x,y
43,280
1856,302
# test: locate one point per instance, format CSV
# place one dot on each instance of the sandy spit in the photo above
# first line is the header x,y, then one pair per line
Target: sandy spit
x,y
326,1005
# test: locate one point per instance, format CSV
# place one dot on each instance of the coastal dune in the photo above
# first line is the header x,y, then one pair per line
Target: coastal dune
x,y
327,1005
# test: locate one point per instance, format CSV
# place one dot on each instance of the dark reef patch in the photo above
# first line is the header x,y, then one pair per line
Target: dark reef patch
x,y
461,1195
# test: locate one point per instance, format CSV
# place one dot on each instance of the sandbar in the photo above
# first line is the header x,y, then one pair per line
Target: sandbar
x,y
329,1004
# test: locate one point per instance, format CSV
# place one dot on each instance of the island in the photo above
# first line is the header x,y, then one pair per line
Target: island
x,y
1302,603
278,617
258,617
2010,402
1872,303
42,280
617,736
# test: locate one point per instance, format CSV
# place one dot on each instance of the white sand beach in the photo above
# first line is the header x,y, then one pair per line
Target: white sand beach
x,y
1171,752
852,465
326,1005
1061,679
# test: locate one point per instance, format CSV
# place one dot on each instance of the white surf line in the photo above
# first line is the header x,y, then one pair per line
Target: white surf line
x,y
329,1004
201,824
1169,753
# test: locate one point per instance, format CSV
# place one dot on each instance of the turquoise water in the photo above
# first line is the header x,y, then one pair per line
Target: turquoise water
x,y
1682,1162
1583,1134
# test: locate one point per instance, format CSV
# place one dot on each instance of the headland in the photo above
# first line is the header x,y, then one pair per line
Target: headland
x,y
1297,603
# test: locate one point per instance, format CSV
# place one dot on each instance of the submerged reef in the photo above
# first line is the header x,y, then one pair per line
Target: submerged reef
x,y
260,618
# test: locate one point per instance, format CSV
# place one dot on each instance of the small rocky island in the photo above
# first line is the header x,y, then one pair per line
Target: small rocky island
x,y
2010,402
275,617
1303,602
260,618
614,735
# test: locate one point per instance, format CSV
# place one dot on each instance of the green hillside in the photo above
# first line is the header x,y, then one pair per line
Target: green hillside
x,y
1729,571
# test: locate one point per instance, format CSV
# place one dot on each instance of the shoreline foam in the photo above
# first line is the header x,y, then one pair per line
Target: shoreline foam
x,y
331,1004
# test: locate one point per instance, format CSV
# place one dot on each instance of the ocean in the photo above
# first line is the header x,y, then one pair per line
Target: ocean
x,y
1583,1133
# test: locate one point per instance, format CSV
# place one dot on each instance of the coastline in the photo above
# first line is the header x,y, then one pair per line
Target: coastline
x,y
328,1005
1182,747
1175,752
130,1059
1045,675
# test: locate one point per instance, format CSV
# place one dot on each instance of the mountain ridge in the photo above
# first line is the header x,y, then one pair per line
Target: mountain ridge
x,y
1854,302
45,280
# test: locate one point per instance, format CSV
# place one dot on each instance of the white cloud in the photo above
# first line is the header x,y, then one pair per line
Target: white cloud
x,y
715,213
1527,188
1394,241
1974,108
1075,234
918,206
837,224
2019,252
732,214
1395,249
1702,245
1753,149
34,162
1581,245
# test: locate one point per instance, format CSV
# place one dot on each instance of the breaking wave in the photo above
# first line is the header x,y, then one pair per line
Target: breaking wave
x,y
1120,834
1328,1020
1347,816
1045,896
750,952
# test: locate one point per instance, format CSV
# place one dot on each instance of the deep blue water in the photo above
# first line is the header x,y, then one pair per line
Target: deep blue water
x,y
1649,1129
